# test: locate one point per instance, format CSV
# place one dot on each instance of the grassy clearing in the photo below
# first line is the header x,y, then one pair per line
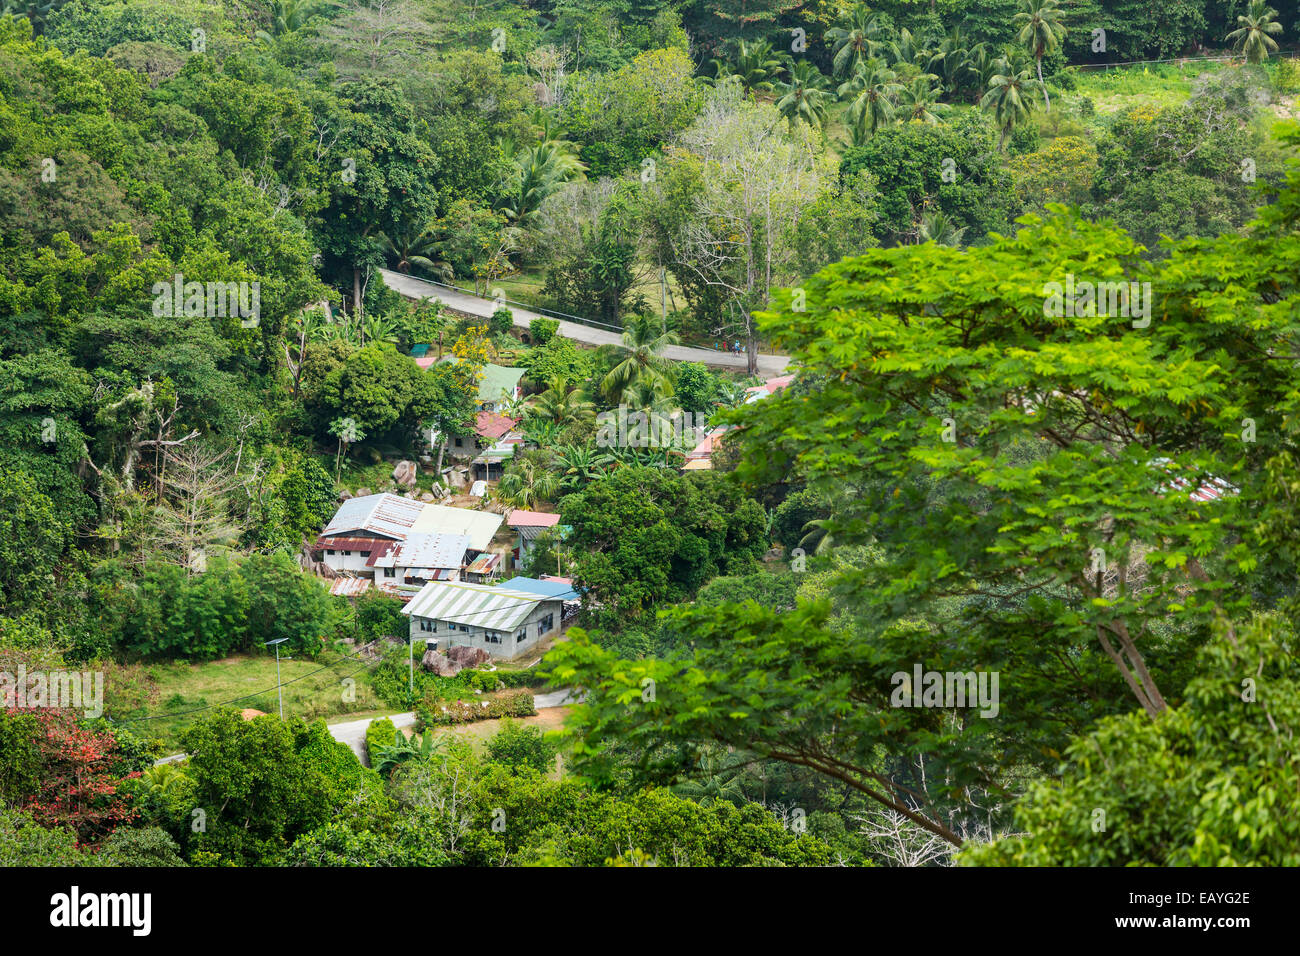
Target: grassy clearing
x,y
480,732
311,689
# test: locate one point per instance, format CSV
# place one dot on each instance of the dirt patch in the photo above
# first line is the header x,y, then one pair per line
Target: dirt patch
x,y
547,719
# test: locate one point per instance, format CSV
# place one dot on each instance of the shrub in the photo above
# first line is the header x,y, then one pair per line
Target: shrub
x,y
519,745
1287,77
506,703
503,320
381,733
541,331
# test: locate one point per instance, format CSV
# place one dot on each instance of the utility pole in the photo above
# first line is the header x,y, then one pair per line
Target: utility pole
x,y
279,688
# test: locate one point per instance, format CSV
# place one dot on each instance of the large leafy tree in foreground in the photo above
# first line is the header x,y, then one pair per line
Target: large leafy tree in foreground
x,y
1069,500
1203,785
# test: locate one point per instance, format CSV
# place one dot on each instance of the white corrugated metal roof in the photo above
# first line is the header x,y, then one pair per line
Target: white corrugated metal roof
x,y
384,514
479,525
478,605
424,549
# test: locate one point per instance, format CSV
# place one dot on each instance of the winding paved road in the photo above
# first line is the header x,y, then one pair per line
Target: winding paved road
x,y
769,366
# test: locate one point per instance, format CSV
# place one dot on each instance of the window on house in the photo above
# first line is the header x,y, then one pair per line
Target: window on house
x,y
347,552
365,554
329,550
429,627
491,637
390,572
460,443
521,635
545,624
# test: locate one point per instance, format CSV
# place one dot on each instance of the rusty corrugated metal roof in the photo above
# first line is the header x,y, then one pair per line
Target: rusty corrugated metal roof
x,y
354,544
388,515
484,564
424,549
350,587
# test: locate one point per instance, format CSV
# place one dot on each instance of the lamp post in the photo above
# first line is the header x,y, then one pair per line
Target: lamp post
x,y
279,688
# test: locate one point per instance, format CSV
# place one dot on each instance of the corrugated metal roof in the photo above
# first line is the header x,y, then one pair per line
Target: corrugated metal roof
x,y
484,564
424,549
519,518
355,544
493,425
493,379
385,514
478,605
479,525
350,587
434,574
403,592
560,590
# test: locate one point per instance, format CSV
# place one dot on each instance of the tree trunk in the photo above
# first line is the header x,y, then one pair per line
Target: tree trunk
x,y
356,290
1046,99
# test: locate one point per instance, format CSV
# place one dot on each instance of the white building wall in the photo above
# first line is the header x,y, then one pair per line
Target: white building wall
x,y
474,637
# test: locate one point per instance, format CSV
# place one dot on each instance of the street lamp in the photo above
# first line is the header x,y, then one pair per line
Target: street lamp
x,y
279,689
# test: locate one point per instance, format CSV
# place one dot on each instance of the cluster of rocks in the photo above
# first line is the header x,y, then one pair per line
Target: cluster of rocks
x,y
454,661
406,476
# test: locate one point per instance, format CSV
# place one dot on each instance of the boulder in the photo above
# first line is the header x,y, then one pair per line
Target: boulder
x,y
344,496
440,665
364,492
468,656
427,498
405,474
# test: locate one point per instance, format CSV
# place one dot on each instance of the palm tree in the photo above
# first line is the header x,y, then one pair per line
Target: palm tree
x,y
643,341
404,748
541,432
1011,98
873,89
852,43
645,457
718,783
579,464
562,404
1255,32
919,101
538,172
952,58
1041,31
288,16
528,480
804,98
754,68
817,536
414,246
903,50
938,228
731,394
981,66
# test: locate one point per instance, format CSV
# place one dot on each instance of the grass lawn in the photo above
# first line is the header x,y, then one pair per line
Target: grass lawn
x,y
316,691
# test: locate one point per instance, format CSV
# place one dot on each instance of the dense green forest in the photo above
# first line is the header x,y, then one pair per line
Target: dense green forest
x,y
969,467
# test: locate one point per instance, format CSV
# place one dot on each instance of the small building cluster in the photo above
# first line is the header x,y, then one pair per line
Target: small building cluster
x,y
700,458
495,436
399,544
